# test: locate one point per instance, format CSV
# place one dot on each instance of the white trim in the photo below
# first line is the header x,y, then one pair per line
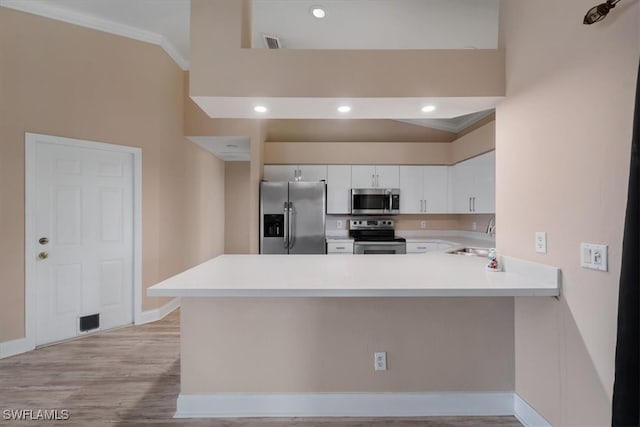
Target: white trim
x,y
158,313
11,348
237,405
528,416
95,23
31,139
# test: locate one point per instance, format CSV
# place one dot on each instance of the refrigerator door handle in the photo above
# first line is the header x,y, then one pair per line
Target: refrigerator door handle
x,y
286,225
291,236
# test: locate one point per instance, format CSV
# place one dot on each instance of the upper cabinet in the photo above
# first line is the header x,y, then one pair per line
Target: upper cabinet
x,y
474,185
423,189
295,172
379,176
339,189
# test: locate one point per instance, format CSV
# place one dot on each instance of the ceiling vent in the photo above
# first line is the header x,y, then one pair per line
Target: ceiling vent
x,y
271,42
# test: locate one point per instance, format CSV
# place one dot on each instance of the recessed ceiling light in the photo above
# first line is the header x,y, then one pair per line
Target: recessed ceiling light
x,y
428,108
260,109
318,12
344,108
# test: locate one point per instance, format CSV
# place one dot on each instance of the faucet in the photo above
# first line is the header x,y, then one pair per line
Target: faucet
x,y
491,227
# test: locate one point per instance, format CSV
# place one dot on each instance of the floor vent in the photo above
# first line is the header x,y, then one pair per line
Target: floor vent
x,y
88,323
271,42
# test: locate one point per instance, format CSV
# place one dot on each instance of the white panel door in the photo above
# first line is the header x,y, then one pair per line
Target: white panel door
x,y
84,208
388,177
363,176
338,189
411,191
435,179
280,173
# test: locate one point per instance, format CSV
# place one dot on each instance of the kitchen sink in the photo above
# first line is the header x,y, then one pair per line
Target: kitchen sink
x,y
482,252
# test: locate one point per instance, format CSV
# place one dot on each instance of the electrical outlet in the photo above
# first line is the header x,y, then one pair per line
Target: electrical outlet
x,y
541,242
423,224
594,256
340,224
380,360
474,226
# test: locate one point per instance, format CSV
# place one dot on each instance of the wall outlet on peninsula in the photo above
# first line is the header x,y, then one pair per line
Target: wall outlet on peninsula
x,y
423,224
380,360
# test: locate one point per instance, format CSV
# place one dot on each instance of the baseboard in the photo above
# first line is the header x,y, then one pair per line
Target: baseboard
x,y
11,348
528,416
158,313
241,405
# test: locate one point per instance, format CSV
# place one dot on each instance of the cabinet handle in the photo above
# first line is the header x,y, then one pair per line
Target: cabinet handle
x,y
373,181
425,206
420,247
340,247
377,180
470,205
474,204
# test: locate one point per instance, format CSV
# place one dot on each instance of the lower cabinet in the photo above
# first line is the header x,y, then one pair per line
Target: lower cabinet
x,y
426,246
339,248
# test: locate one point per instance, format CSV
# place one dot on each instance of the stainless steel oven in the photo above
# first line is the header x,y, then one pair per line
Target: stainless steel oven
x,y
376,236
375,201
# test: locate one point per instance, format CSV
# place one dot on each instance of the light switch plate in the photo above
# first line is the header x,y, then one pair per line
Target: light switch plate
x,y
541,242
594,256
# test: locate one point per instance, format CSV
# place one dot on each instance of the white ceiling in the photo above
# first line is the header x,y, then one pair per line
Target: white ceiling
x,y
227,148
378,24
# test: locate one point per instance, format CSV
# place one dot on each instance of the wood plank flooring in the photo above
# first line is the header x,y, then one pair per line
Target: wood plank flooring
x,y
131,376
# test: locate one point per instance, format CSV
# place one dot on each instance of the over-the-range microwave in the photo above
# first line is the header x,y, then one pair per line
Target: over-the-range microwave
x,y
375,201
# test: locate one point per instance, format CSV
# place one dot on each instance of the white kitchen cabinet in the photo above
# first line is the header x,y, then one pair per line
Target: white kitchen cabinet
x,y
295,172
423,189
415,247
339,189
339,248
474,185
369,176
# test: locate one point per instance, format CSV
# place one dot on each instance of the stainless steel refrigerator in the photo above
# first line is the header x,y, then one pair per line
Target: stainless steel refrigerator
x,y
292,217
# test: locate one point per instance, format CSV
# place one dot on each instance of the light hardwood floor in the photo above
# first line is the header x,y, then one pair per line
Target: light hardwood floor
x,y
131,376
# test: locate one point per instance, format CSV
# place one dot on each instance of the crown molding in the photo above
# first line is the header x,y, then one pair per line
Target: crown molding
x,y
105,25
454,125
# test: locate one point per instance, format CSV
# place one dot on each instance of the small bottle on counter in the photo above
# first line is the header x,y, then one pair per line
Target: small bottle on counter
x,y
492,265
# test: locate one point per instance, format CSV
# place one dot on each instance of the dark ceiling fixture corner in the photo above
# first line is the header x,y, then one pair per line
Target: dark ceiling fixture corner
x,y
598,13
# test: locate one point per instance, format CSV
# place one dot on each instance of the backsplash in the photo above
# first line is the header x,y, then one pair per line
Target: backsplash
x,y
463,222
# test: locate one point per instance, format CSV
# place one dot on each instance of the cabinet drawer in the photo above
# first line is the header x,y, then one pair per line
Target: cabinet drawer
x,y
421,247
340,248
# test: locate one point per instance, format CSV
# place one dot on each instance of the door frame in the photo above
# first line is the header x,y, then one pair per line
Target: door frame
x,y
31,142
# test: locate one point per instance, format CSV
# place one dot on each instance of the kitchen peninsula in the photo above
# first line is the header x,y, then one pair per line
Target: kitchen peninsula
x,y
272,335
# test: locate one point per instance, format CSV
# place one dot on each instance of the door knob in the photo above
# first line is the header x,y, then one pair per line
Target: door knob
x,y
43,255
43,240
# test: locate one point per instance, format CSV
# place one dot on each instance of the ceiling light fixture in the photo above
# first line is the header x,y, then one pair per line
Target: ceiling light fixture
x,y
344,108
428,108
598,13
318,12
260,109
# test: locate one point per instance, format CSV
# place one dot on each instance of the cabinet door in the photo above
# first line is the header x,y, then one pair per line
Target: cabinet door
x,y
280,172
388,177
411,191
484,189
362,176
462,187
435,185
312,172
338,189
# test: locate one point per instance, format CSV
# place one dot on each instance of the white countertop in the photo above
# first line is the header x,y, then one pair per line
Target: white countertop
x,y
432,274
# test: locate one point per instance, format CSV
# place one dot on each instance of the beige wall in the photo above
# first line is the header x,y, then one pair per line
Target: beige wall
x,y
352,130
327,344
216,31
563,139
236,205
476,142
65,80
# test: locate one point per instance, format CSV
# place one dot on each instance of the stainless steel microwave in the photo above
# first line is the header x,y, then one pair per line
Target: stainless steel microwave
x,y
375,201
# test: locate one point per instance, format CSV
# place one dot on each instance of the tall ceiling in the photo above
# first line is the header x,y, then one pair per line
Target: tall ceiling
x,y
348,24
